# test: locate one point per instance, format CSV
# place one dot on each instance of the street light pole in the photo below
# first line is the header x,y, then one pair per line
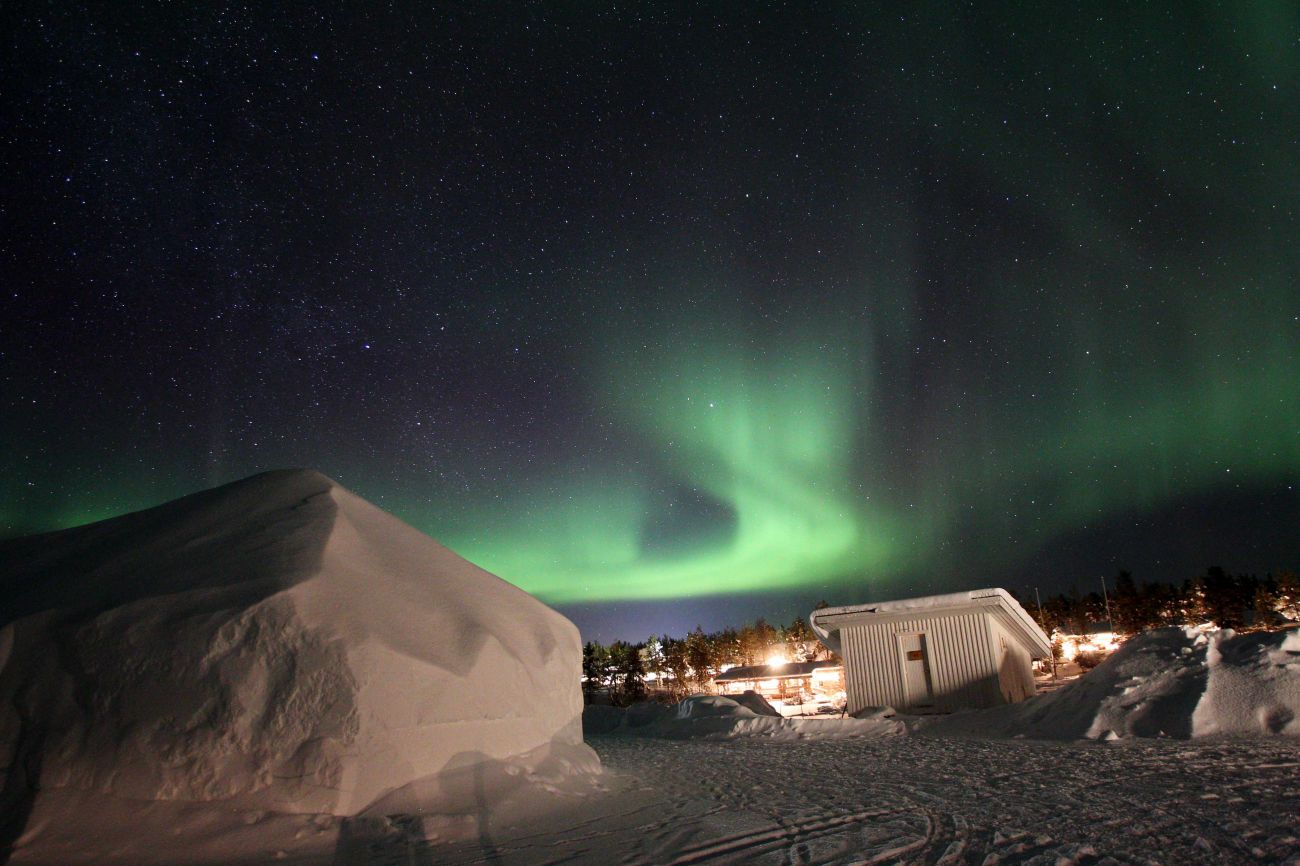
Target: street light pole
x,y
1106,599
1041,620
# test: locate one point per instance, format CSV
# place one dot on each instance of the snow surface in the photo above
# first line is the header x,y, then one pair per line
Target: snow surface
x,y
1171,682
914,800
714,717
277,644
865,800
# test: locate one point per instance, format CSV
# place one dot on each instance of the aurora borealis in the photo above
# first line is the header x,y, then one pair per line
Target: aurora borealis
x,y
672,315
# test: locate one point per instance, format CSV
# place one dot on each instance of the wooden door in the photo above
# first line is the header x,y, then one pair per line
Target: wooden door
x,y
915,658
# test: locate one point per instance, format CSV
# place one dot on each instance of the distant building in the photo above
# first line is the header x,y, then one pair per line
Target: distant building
x,y
792,683
937,654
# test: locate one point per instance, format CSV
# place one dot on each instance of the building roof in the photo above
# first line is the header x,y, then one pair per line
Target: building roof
x,y
827,621
772,672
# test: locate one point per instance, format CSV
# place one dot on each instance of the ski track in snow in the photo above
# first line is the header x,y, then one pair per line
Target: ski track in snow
x,y
916,800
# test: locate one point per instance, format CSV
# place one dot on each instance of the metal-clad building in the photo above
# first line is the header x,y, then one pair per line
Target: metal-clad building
x,y
939,653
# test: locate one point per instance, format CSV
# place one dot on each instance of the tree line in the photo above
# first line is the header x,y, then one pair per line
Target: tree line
x,y
1227,600
685,665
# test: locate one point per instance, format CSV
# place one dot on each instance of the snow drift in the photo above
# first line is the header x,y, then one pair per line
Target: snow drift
x,y
715,717
277,643
1172,682
711,706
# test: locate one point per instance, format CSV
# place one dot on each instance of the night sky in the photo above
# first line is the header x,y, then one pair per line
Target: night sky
x,y
670,314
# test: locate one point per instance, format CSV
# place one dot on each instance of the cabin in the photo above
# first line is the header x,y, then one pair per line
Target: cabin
x,y
935,654
794,684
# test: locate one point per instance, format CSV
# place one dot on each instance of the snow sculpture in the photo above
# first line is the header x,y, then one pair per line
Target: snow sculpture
x,y
279,641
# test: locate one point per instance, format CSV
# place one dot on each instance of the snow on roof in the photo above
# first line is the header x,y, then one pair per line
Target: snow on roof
x,y
991,597
951,599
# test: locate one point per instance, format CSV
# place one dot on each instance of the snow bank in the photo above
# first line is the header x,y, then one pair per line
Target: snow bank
x,y
1170,682
769,728
1253,687
278,643
712,706
601,718
757,703
711,717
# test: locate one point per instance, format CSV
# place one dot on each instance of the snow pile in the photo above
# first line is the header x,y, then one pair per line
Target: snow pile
x,y
712,717
279,644
712,706
647,713
1171,682
1254,685
756,702
601,718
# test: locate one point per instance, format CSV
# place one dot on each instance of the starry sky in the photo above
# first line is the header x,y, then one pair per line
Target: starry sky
x,y
670,313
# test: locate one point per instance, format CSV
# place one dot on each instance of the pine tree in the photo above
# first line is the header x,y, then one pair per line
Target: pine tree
x,y
1226,596
766,638
675,662
726,647
748,650
653,655
1286,594
627,673
801,643
596,669
700,657
1126,605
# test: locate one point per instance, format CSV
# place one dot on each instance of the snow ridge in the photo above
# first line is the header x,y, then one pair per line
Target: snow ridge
x,y
1171,682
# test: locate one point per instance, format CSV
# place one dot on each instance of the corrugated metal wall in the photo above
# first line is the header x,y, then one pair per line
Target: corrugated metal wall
x,y
963,669
1015,673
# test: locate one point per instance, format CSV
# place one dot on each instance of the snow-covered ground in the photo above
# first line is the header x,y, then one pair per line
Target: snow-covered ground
x,y
1128,764
915,799
868,800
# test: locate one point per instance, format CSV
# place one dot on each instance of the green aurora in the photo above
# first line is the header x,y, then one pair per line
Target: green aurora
x,y
785,454
873,302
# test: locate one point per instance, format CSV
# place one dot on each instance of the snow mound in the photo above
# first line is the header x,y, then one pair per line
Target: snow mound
x,y
277,643
706,706
601,718
1254,685
1170,682
710,717
757,703
751,726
